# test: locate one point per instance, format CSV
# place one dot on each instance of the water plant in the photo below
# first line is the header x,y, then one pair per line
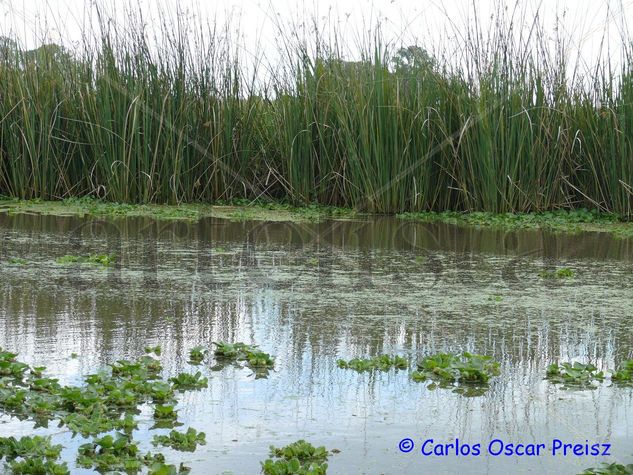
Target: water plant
x,y
230,350
462,368
186,381
110,453
37,466
609,469
107,402
184,441
197,354
29,447
104,260
153,349
562,273
250,355
36,454
380,362
17,261
299,457
165,412
624,373
574,375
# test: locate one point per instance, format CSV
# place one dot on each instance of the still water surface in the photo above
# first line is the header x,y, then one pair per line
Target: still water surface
x,y
312,293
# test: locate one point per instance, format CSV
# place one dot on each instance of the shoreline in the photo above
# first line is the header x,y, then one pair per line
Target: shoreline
x,y
572,221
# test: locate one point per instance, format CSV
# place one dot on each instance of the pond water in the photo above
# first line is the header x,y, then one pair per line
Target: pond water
x,y
312,293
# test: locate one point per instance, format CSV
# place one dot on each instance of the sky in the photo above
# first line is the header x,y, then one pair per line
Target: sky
x,y
583,23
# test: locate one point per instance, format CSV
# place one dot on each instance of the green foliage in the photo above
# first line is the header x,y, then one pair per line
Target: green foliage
x,y
37,455
153,349
259,361
184,441
576,375
17,261
556,221
110,453
38,466
462,368
185,381
609,469
624,374
29,447
165,412
503,130
380,362
104,260
230,350
562,273
106,402
300,458
197,354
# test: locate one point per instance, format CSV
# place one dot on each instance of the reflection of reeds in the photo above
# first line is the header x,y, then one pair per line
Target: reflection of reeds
x,y
504,129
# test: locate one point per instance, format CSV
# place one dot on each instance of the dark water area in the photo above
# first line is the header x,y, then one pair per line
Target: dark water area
x,y
312,293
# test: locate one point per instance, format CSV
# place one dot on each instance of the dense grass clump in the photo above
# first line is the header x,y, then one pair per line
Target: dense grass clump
x,y
499,125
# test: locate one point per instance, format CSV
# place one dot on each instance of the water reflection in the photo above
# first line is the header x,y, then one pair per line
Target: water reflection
x,y
311,293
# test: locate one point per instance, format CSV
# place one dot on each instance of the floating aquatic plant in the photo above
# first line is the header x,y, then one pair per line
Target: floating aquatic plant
x,y
38,466
186,381
609,469
17,261
562,273
36,453
462,368
252,356
184,441
29,446
574,375
165,412
107,402
197,354
299,457
110,453
104,260
381,362
153,349
624,373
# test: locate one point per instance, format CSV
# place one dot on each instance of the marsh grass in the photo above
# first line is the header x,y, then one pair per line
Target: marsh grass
x,y
498,126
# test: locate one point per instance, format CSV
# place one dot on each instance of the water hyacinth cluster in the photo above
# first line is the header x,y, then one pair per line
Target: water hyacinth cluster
x,y
104,260
299,457
461,368
381,362
32,455
248,355
574,374
106,402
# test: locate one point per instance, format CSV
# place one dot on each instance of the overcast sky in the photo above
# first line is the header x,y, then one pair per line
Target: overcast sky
x,y
584,22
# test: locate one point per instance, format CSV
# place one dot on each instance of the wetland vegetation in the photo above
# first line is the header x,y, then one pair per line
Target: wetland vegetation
x,y
180,146
404,129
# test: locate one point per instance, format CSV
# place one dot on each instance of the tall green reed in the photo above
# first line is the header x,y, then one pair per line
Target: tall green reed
x,y
499,125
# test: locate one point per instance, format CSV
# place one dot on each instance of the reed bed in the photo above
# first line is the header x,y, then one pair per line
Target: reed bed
x,y
501,125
